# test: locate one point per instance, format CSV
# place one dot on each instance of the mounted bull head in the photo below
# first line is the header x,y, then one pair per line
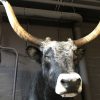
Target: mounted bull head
x,y
57,57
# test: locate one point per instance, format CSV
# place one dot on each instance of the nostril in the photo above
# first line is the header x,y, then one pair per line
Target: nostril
x,y
71,83
63,81
78,81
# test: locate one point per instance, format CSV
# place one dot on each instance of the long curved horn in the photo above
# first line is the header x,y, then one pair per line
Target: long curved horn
x,y
89,37
20,31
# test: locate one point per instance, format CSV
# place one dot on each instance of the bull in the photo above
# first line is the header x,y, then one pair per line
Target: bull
x,y
58,77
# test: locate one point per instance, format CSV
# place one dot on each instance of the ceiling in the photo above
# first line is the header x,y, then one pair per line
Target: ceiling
x,y
89,9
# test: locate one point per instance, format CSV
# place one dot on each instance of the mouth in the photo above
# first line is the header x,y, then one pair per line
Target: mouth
x,y
68,94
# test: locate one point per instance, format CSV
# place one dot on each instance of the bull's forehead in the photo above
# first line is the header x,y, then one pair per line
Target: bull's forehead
x,y
60,52
58,47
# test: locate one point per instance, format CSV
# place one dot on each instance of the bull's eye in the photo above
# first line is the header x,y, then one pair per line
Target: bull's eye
x,y
47,62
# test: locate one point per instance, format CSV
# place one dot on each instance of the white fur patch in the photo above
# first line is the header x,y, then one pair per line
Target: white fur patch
x,y
62,52
55,45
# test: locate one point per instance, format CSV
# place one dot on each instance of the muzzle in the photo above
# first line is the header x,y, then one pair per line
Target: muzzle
x,y
68,85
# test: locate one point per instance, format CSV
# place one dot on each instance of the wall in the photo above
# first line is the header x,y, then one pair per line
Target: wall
x,y
27,66
93,64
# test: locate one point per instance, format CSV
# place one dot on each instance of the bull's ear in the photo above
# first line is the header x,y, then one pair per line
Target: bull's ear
x,y
34,53
78,55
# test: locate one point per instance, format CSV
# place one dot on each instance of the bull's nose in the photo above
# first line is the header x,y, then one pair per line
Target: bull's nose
x,y
69,84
